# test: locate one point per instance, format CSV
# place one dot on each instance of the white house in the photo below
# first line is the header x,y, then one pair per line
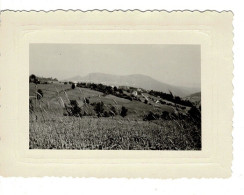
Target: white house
x,y
134,93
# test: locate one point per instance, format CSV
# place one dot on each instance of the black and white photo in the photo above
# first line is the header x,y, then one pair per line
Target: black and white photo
x,y
115,96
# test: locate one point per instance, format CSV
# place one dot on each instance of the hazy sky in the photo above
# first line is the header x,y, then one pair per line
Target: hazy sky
x,y
178,65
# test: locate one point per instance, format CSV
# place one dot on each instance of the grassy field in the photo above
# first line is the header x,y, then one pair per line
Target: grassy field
x,y
50,129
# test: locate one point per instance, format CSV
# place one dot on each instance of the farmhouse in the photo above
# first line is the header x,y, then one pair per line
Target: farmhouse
x,y
134,93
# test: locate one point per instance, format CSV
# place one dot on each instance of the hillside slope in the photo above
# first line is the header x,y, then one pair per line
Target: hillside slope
x,y
195,97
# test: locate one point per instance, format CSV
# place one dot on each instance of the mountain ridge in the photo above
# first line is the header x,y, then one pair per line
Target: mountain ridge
x,y
133,80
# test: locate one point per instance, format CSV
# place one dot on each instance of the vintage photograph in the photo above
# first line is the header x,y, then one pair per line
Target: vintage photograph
x,y
115,96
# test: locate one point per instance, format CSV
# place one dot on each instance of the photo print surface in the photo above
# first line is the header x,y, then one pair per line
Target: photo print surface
x,y
115,96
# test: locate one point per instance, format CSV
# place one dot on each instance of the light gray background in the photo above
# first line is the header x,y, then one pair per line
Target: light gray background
x,y
178,65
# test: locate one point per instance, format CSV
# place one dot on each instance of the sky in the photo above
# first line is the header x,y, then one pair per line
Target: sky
x,y
178,65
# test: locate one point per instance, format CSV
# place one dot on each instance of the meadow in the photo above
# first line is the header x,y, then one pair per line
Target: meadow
x,y
50,127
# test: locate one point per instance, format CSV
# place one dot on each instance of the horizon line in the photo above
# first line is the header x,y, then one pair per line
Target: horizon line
x,y
198,88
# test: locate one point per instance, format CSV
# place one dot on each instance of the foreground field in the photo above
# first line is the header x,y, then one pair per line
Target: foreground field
x,y
112,134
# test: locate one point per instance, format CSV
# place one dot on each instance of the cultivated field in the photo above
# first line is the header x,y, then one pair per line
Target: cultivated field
x,y
103,127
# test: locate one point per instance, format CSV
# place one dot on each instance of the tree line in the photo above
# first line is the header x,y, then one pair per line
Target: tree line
x,y
170,97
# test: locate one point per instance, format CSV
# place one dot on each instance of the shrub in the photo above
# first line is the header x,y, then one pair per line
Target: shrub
x,y
151,116
114,111
72,86
128,97
182,116
124,111
162,102
146,101
39,94
86,101
106,114
173,116
165,115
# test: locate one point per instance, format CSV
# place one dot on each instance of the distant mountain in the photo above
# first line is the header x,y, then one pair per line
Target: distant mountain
x,y
135,80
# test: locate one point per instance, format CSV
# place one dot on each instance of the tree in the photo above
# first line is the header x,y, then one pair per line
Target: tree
x,y
114,111
86,101
195,114
151,116
72,86
120,91
33,79
165,115
106,114
108,90
99,108
123,112
74,110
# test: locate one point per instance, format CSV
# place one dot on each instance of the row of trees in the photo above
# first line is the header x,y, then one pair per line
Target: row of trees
x,y
170,97
75,110
100,87
100,110
106,90
194,114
